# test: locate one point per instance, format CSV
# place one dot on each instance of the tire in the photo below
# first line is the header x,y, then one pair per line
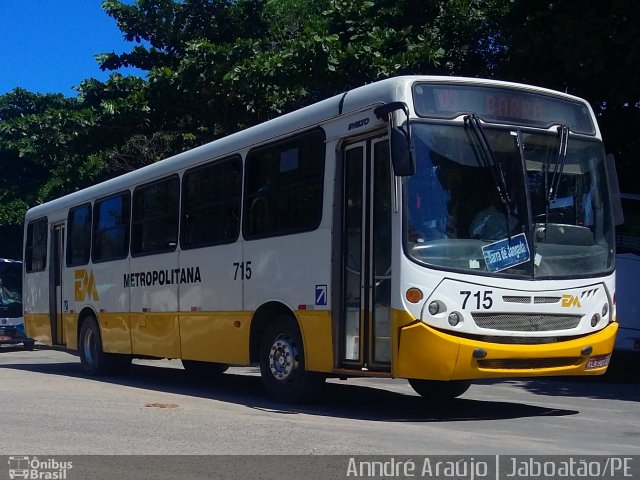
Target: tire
x,y
282,363
204,370
28,344
437,391
94,360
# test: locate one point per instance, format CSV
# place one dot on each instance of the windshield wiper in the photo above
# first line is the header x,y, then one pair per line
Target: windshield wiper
x,y
552,188
488,160
552,193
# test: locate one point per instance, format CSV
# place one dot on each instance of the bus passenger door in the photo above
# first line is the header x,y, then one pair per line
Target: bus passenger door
x,y
365,321
55,285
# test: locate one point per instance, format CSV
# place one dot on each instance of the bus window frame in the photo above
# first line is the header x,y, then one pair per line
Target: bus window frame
x,y
169,248
250,197
29,246
69,235
183,213
126,193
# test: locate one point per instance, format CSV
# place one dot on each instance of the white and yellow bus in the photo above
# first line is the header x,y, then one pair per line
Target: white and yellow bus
x,y
438,229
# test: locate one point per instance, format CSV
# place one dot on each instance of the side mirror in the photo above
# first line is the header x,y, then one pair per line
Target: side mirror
x,y
400,145
614,190
402,157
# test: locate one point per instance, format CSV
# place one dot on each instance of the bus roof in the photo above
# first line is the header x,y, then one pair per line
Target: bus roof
x,y
360,98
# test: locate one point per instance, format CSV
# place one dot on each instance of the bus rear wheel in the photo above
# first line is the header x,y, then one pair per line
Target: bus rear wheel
x,y
282,363
437,391
94,360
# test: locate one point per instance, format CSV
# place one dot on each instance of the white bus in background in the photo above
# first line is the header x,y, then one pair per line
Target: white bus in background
x,y
628,274
437,229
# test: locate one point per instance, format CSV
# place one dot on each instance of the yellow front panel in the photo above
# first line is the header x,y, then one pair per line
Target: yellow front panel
x,y
116,332
221,337
38,327
155,334
316,336
601,343
424,353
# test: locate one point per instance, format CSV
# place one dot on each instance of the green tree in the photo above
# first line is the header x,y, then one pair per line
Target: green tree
x,y
587,48
39,136
216,66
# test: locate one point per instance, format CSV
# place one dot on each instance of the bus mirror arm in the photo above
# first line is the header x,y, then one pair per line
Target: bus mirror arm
x,y
401,146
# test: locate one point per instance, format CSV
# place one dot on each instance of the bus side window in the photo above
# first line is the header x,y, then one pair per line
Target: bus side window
x,y
111,227
155,217
259,215
79,235
35,254
284,185
211,203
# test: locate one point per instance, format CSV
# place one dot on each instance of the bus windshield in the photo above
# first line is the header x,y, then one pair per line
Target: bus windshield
x,y
528,202
10,283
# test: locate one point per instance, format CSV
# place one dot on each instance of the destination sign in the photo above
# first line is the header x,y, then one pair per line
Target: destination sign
x,y
506,253
501,105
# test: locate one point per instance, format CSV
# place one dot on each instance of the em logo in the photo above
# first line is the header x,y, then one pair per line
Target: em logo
x,y
570,301
85,286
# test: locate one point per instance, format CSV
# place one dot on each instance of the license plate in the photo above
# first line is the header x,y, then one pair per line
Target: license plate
x,y
4,338
600,361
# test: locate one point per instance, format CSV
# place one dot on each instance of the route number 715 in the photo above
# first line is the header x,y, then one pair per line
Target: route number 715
x,y
244,269
482,298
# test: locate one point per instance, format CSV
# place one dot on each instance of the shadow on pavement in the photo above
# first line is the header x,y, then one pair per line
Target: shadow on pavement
x,y
336,399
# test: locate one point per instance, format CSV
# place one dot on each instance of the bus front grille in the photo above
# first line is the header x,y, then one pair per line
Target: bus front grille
x,y
529,363
547,299
525,322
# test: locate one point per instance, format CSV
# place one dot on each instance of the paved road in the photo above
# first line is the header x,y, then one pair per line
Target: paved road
x,y
50,408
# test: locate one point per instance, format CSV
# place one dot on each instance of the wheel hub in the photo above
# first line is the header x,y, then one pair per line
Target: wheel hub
x,y
283,358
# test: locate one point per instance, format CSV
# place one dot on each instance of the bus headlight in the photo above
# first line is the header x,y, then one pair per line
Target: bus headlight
x,y
454,319
434,308
605,310
594,320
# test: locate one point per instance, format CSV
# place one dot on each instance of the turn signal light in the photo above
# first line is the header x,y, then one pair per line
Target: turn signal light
x,y
414,295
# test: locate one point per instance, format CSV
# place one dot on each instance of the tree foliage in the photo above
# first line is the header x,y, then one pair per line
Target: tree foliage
x,y
216,66
587,48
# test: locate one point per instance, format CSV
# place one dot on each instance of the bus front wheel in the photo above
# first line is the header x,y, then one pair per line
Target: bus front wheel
x,y
438,391
282,363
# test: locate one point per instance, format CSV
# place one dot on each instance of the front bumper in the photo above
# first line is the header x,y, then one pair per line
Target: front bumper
x,y
429,354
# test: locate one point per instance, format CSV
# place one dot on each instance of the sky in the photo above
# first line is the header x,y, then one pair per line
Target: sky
x,y
49,46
